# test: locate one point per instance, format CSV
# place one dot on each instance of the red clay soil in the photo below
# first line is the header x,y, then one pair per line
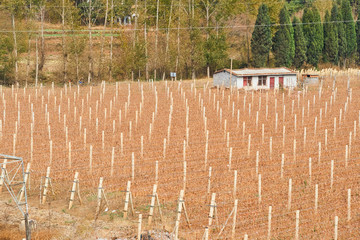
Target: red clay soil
x,y
252,215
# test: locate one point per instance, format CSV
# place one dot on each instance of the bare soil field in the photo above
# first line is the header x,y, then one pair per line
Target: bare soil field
x,y
238,135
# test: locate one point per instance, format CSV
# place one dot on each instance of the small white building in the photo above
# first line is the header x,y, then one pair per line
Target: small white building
x,y
256,78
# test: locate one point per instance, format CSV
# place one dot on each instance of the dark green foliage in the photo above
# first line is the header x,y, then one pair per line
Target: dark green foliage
x,y
331,48
261,38
358,37
216,51
330,52
6,61
313,34
300,44
341,38
283,42
349,28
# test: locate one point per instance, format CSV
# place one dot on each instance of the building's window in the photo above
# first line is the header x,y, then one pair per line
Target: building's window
x,y
262,81
247,81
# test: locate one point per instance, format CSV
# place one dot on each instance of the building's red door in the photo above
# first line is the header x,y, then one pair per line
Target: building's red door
x,y
272,82
281,81
245,82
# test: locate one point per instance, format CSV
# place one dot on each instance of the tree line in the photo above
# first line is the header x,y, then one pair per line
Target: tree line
x,y
83,40
308,41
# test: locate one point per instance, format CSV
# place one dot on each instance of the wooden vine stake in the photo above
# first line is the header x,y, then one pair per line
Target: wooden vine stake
x,y
26,177
259,188
294,150
349,204
235,183
128,198
257,163
297,225
269,223
230,158
232,213
47,185
316,197
100,195
75,187
154,197
332,174
212,211
289,195
139,236
178,215
336,228
283,136
282,165
209,181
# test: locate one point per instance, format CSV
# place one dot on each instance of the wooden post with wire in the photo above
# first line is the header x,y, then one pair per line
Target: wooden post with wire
x,y
101,193
128,198
75,186
154,197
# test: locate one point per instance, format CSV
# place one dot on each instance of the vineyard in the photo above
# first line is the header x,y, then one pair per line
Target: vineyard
x,y
190,160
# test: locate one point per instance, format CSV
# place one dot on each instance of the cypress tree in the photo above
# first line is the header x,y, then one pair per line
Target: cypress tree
x,y
349,29
283,43
341,38
330,40
300,44
332,51
358,37
261,37
313,34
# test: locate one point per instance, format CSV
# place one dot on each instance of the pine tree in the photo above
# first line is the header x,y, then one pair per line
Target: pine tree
x,y
349,29
300,44
330,51
313,34
283,42
261,37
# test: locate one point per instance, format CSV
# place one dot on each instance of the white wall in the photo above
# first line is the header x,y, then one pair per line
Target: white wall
x,y
289,81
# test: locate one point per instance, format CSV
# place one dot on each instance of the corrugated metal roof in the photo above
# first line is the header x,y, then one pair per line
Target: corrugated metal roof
x,y
260,71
